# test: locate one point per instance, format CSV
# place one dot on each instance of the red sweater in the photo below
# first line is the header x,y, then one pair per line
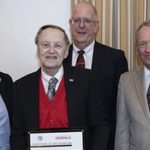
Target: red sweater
x,y
53,114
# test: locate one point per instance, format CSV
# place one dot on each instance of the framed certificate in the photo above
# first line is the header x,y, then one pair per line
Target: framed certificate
x,y
57,139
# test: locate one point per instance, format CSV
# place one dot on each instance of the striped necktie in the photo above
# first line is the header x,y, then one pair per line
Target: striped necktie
x,y
80,63
51,88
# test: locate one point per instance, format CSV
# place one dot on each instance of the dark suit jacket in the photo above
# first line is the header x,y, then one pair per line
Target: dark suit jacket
x,y
82,112
6,87
107,66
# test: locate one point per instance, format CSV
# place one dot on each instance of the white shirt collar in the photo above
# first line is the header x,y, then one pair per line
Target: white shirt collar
x,y
146,77
146,72
87,49
46,78
88,55
58,75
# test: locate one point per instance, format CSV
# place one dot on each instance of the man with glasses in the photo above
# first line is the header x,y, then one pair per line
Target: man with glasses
x,y
106,63
133,102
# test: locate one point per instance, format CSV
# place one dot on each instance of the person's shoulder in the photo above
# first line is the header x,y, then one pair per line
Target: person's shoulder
x,y
28,77
108,49
131,74
5,76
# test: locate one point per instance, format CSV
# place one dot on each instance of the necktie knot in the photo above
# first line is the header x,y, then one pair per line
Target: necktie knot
x,y
81,52
51,87
80,63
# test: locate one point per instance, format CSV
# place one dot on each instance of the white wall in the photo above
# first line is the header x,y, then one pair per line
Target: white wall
x,y
20,21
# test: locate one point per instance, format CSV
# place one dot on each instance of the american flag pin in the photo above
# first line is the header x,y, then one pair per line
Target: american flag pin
x,y
71,80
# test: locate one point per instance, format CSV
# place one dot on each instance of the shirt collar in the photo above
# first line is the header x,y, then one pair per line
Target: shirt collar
x,y
58,75
88,49
146,72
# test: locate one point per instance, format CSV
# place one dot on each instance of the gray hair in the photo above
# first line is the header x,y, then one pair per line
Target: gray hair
x,y
144,24
54,27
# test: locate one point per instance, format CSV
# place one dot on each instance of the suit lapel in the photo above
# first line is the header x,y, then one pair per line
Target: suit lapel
x,y
99,56
96,56
34,95
69,84
77,96
139,84
1,88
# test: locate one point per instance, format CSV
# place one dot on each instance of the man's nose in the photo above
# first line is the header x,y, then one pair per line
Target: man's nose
x,y
51,49
82,23
148,46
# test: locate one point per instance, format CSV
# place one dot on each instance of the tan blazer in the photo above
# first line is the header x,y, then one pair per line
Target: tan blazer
x,y
133,116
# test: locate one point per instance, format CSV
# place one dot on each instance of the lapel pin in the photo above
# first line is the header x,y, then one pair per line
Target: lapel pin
x,y
71,80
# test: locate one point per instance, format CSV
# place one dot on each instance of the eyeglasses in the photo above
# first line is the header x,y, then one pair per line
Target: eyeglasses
x,y
86,21
143,44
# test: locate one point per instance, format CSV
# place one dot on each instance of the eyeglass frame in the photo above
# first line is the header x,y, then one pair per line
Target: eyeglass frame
x,y
142,44
86,21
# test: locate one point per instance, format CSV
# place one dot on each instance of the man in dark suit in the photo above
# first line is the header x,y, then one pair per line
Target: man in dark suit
x,y
6,85
106,63
74,104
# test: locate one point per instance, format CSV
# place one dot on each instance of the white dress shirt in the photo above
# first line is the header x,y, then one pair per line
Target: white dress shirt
x,y
46,78
88,55
4,126
146,78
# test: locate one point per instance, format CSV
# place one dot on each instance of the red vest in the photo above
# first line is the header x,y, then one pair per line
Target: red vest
x,y
53,114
